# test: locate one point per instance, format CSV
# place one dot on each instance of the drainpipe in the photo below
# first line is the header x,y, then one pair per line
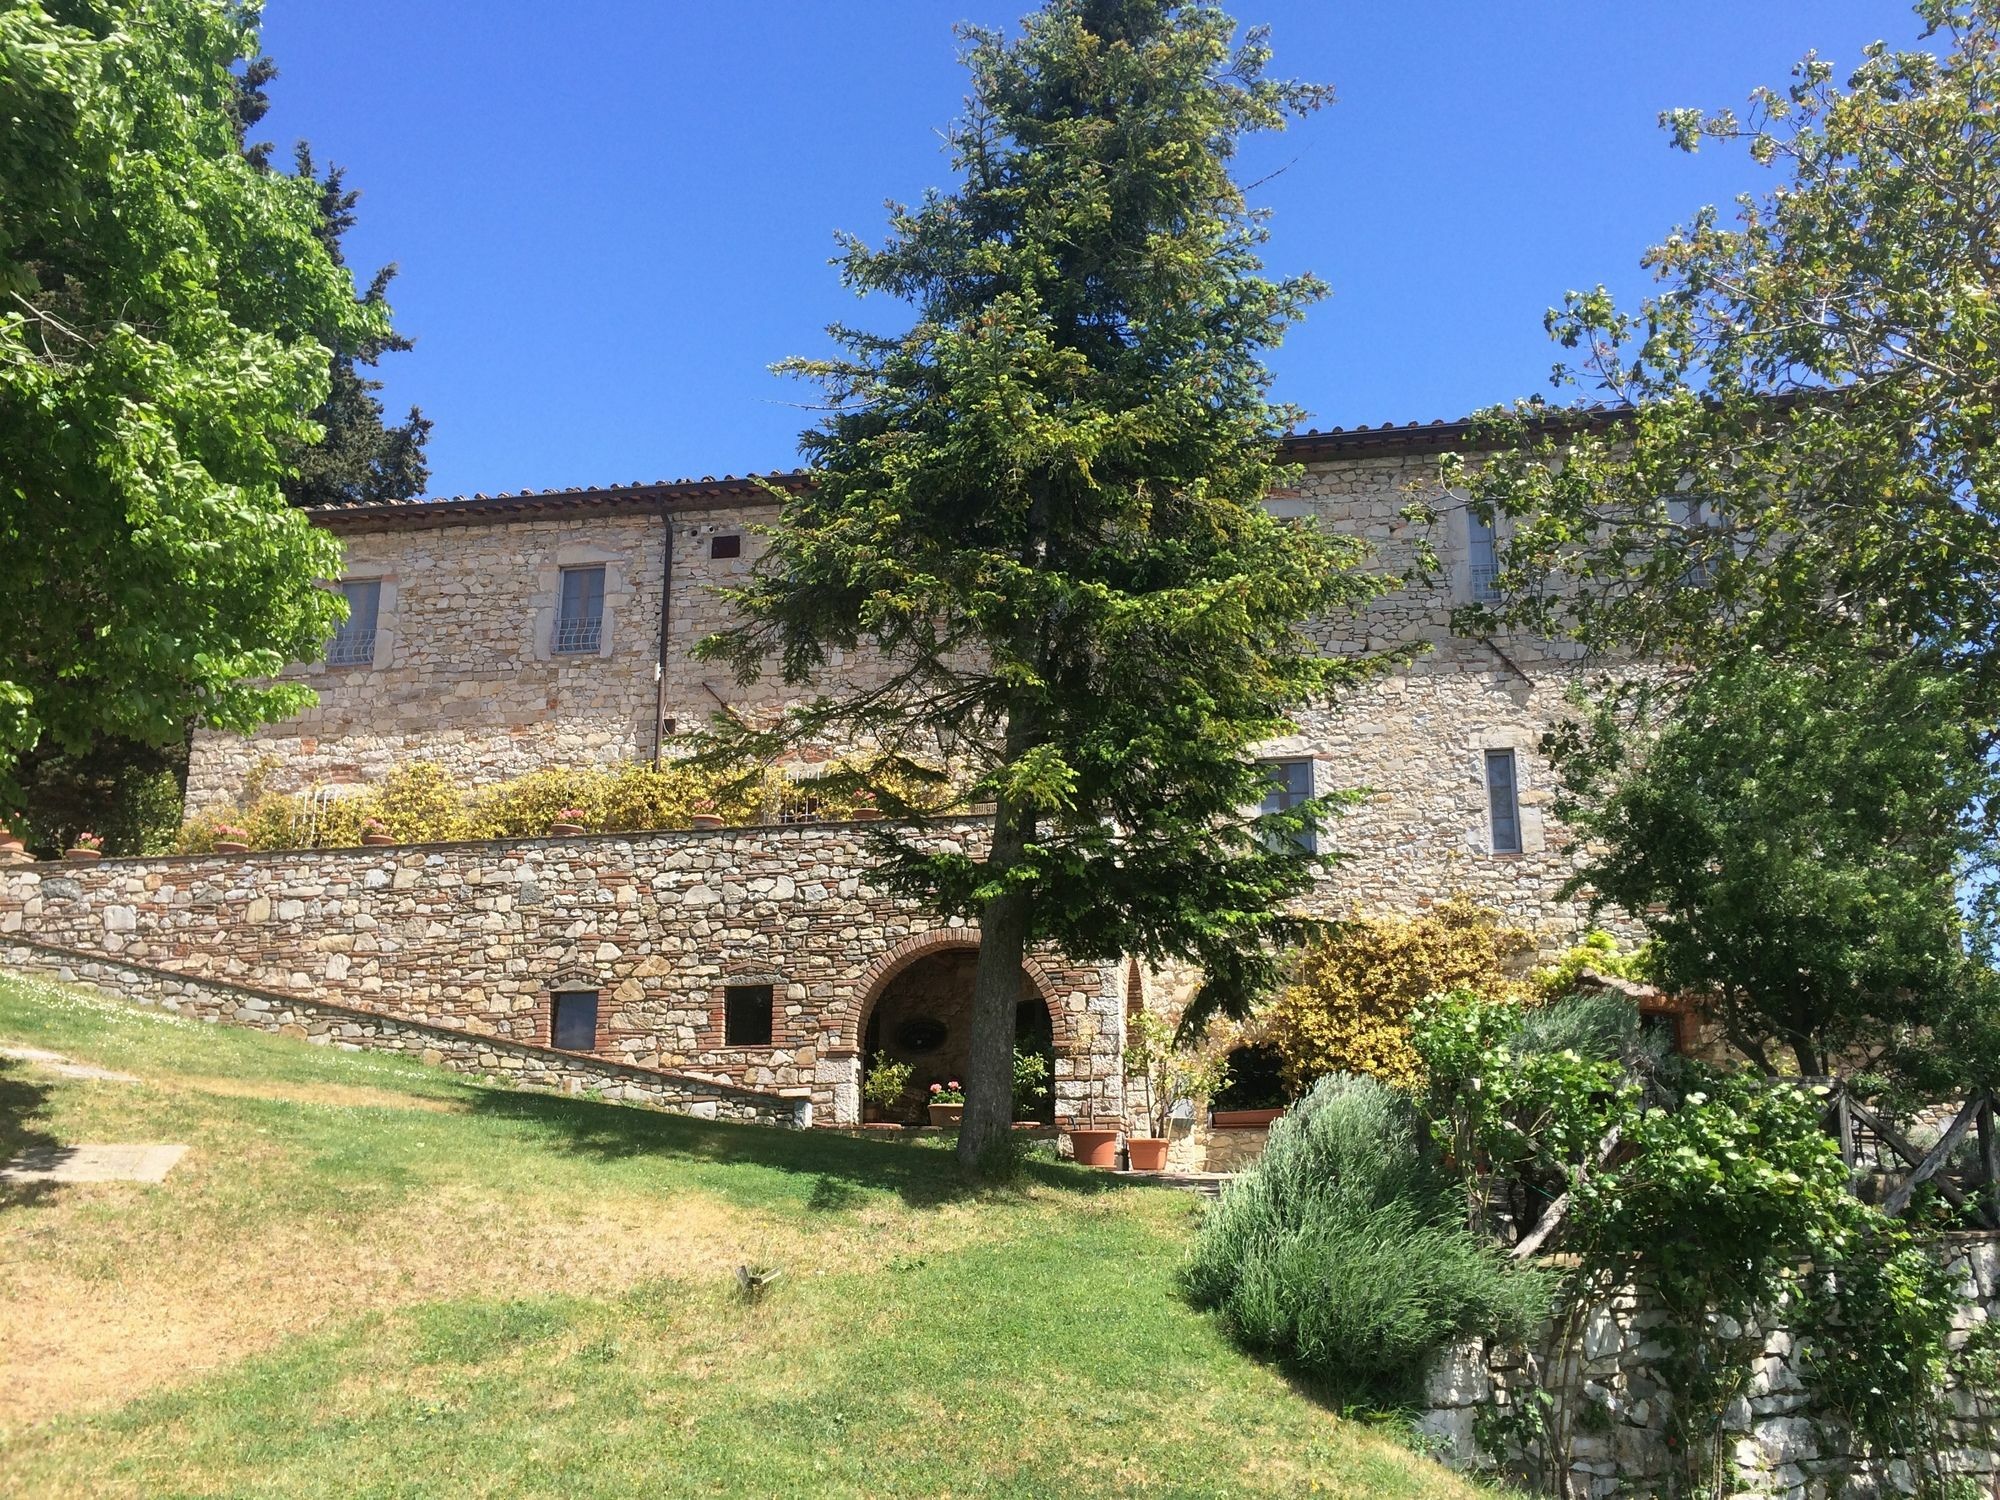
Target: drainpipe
x,y
666,614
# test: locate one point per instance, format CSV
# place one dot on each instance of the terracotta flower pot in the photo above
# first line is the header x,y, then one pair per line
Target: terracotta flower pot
x,y
230,846
946,1114
83,854
706,821
378,840
1094,1148
11,842
1148,1153
1243,1119
565,830
867,814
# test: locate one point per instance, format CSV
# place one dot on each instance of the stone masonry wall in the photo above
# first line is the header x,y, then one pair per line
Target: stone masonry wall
x,y
479,937
361,1030
1775,1445
462,673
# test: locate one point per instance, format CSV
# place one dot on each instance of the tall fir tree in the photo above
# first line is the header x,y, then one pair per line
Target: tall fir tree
x,y
1042,504
361,460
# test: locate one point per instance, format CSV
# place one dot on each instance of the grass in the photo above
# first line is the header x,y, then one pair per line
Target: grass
x,y
373,1278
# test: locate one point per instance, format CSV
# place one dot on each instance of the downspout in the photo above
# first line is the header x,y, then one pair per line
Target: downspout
x,y
666,615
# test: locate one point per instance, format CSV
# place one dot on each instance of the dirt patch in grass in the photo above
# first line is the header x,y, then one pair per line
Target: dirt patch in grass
x,y
75,1338
340,1095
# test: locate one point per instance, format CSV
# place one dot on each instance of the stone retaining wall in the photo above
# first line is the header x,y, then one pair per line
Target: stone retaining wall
x,y
363,1030
1618,1423
479,937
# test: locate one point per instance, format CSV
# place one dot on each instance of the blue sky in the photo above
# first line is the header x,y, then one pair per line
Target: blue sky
x,y
613,215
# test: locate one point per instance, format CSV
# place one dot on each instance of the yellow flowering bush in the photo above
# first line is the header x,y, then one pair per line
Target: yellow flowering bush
x,y
1347,1007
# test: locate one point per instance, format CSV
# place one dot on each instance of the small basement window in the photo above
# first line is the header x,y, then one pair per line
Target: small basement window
x,y
746,1015
574,1025
725,546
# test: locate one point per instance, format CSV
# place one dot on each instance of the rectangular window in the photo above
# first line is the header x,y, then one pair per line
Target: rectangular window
x,y
580,615
1485,559
746,1015
353,645
726,546
1291,784
574,1027
1503,801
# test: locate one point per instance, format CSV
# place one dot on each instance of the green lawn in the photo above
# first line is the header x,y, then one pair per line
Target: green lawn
x,y
373,1278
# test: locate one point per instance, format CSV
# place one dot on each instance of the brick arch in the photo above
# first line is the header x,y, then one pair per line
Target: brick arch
x,y
920,945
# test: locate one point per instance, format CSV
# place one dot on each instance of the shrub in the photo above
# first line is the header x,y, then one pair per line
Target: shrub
x,y
887,1083
1598,951
420,804
1344,1253
1347,1007
1031,1083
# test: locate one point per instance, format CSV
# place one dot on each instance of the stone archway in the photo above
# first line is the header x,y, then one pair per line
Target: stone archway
x,y
917,1010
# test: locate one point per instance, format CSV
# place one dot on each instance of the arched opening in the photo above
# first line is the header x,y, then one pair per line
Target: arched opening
x,y
922,1018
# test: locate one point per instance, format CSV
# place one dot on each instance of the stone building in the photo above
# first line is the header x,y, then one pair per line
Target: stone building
x,y
498,634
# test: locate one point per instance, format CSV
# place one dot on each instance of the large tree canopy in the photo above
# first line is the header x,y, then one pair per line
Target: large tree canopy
x,y
163,305
1042,504
1793,509
1813,451
1793,833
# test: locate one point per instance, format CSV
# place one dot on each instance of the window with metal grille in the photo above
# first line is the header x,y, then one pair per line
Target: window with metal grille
x,y
574,1025
580,613
1291,784
1485,558
353,645
746,1015
726,546
1503,801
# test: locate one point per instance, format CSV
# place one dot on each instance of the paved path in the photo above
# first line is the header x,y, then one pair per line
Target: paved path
x,y
1201,1184
62,1067
93,1164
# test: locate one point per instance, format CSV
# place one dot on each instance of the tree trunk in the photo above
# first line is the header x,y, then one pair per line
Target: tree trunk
x,y
988,1121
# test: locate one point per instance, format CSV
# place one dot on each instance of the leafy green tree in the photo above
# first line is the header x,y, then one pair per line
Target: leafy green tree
x,y
1042,505
1800,481
1795,836
1812,458
161,299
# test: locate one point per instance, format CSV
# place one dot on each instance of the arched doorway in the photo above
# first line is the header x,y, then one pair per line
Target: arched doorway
x,y
922,1017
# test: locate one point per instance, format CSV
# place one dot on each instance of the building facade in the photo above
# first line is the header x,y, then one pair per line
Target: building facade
x,y
495,635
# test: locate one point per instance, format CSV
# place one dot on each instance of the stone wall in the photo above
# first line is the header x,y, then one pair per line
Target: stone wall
x,y
364,1030
480,937
463,675
1617,1442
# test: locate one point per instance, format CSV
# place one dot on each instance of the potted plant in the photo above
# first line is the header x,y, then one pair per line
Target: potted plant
x,y
705,815
568,823
1092,1145
229,839
10,841
865,810
947,1103
86,846
1031,1087
375,833
883,1089
1173,1076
